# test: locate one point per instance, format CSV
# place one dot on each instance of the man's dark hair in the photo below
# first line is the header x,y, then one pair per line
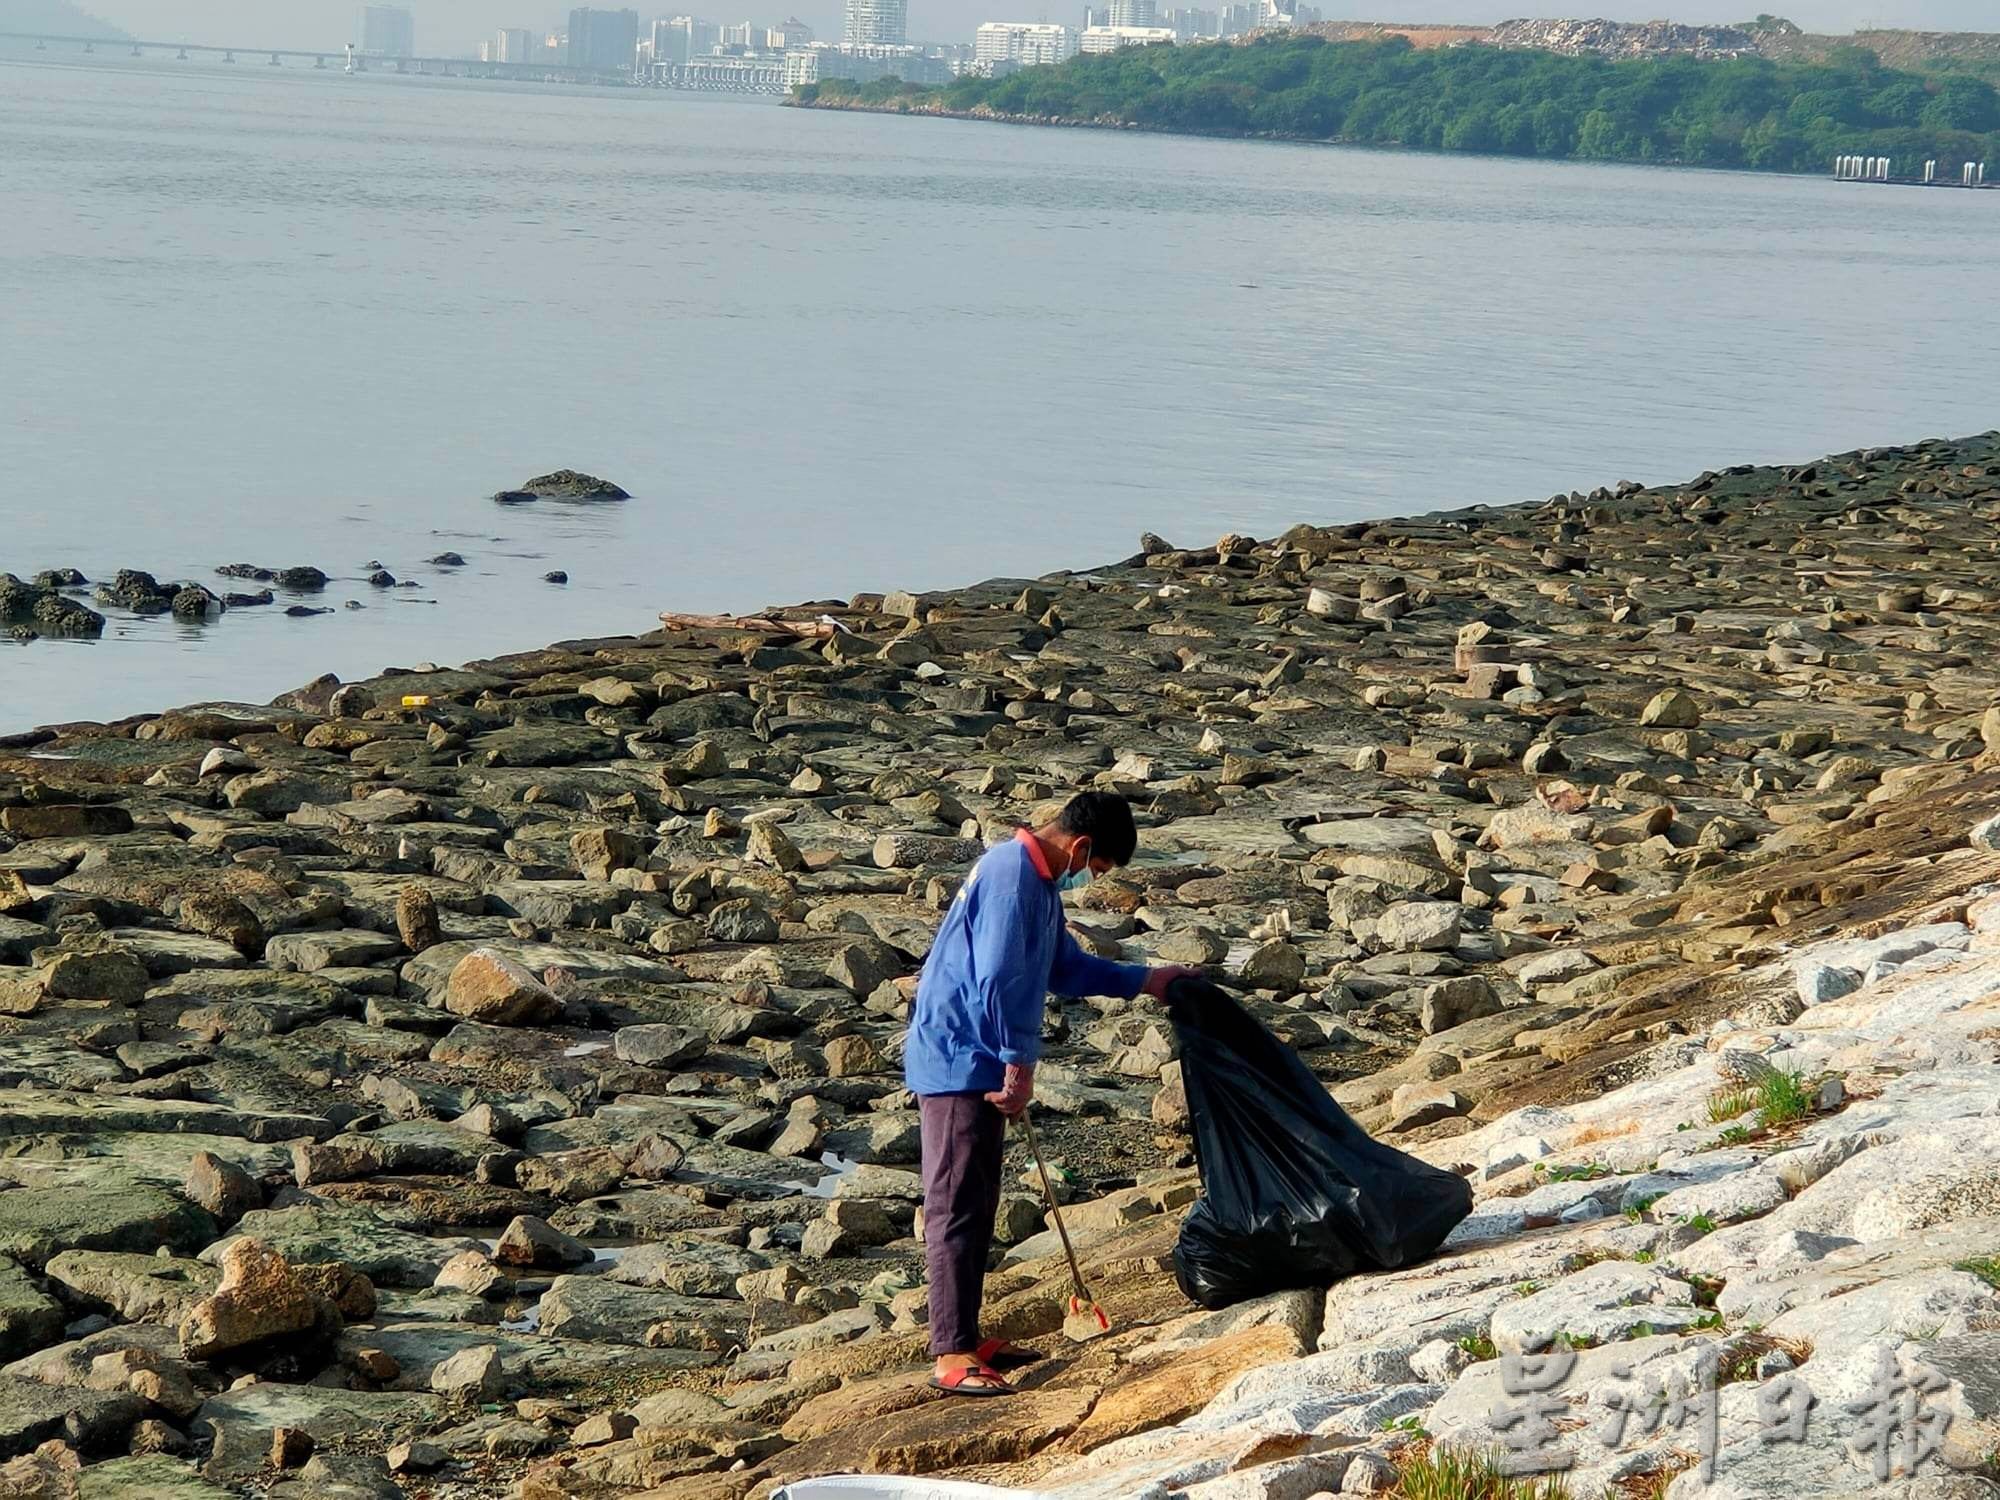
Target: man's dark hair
x,y
1106,820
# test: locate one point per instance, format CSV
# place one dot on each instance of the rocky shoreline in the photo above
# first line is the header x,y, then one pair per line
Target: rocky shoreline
x,y
486,1081
987,115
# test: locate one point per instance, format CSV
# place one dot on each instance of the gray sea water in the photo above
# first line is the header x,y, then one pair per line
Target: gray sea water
x,y
278,316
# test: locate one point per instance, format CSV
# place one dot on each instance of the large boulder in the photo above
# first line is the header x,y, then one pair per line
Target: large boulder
x,y
315,1233
1453,1002
56,820
259,1297
38,1222
29,1316
492,988
528,1241
159,1289
94,968
471,1375
1418,927
1671,709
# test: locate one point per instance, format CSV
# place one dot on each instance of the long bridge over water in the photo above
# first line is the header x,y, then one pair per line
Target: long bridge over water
x,y
319,58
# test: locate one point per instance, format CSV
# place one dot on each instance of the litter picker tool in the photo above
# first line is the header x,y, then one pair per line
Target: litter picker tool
x,y
1081,1303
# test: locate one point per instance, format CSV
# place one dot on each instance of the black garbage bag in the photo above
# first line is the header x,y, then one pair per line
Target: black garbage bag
x,y
1294,1193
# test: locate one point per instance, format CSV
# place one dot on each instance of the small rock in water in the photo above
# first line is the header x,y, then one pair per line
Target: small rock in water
x,y
193,602
557,576
447,560
382,578
528,1241
563,484
302,611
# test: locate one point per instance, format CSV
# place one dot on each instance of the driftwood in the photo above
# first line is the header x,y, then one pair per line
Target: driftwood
x,y
903,851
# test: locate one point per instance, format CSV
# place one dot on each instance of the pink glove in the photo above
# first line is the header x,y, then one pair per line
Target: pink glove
x,y
1158,979
1016,1089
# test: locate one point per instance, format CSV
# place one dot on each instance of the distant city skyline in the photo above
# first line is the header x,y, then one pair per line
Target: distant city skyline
x,y
458,26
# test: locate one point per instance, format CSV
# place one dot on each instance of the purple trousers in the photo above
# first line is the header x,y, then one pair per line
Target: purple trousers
x,y
962,1140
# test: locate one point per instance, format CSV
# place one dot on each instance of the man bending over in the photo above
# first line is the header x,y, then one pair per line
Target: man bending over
x,y
975,1033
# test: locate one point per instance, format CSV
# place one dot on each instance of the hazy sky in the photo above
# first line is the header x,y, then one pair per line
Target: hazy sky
x,y
452,26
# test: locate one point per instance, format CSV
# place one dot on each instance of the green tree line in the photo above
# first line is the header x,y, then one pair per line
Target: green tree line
x,y
1742,112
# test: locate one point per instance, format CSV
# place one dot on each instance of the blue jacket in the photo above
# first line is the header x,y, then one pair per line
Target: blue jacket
x,y
1002,950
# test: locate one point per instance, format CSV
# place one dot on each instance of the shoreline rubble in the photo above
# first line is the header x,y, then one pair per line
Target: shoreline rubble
x,y
486,1080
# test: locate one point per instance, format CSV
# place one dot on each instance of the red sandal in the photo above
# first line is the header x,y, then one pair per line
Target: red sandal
x,y
952,1382
998,1354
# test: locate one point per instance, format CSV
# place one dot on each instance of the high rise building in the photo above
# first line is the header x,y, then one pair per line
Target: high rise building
x,y
686,39
607,40
1026,44
517,44
1134,13
1112,38
386,31
794,33
876,23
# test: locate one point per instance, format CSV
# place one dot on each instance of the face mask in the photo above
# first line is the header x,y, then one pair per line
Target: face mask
x,y
1076,880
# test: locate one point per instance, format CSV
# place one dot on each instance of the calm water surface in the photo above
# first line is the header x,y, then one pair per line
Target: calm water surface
x,y
304,318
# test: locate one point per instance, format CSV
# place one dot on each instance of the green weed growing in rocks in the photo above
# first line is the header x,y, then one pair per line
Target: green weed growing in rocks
x,y
1985,1267
1699,1223
1584,1259
1588,1171
1735,1135
1727,1104
1740,1366
1432,1473
1639,1208
1743,1353
1479,1346
1782,1099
